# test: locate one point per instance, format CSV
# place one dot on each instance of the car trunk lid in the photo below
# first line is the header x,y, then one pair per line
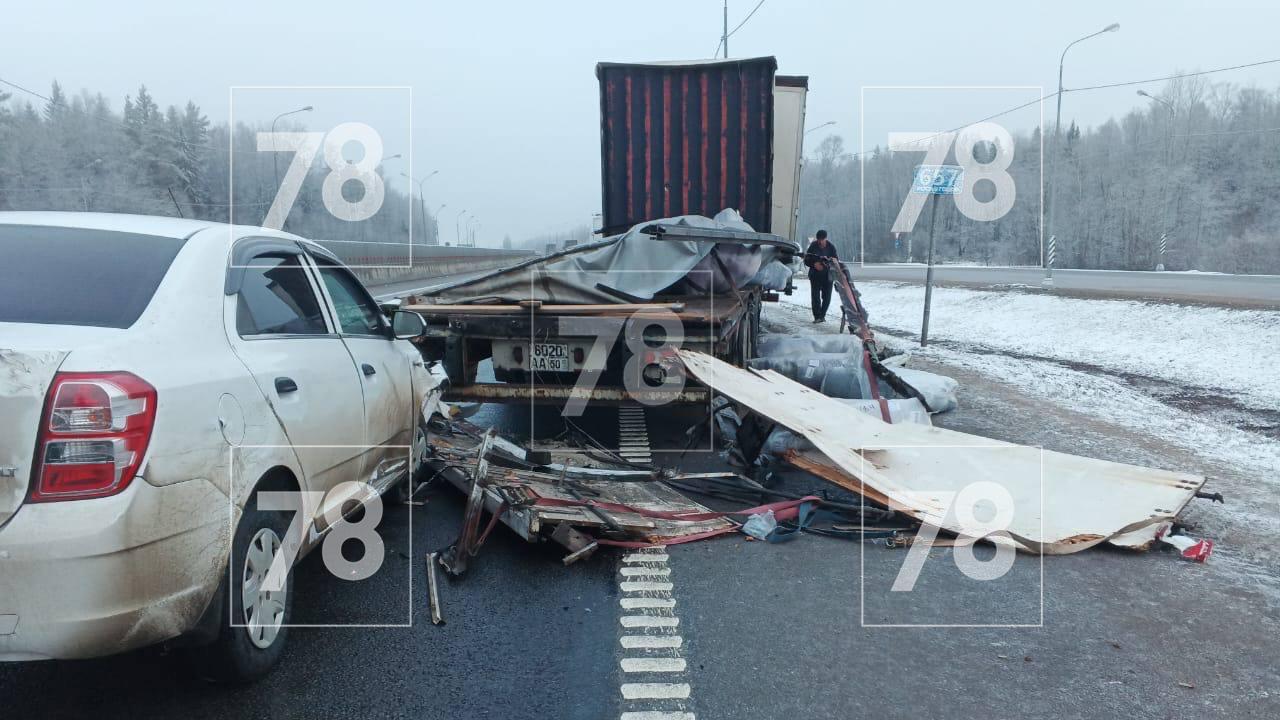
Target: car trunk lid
x,y
25,376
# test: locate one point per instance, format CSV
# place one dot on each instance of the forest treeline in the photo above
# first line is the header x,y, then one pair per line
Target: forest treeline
x,y
76,153
1199,164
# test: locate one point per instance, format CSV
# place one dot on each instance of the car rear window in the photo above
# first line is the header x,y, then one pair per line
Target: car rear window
x,y
76,276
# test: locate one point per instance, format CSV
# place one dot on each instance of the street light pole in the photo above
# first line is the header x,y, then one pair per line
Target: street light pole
x,y
275,160
1053,168
457,227
725,36
819,127
422,201
1173,116
435,223
1168,162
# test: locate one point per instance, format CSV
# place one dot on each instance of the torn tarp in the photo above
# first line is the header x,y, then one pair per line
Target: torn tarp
x,y
833,365
639,264
1058,503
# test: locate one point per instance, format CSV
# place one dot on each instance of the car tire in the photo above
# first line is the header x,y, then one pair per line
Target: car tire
x,y
404,490
246,650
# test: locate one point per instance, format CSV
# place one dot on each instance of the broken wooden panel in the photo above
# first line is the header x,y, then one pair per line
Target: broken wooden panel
x,y
521,488
1062,503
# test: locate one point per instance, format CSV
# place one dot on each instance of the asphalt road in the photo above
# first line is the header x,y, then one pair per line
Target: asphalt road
x,y
805,629
770,630
1252,290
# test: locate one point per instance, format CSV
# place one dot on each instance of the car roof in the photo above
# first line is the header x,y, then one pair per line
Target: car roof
x,y
157,225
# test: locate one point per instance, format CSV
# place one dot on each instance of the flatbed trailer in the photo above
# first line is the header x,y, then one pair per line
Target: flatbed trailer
x,y
541,354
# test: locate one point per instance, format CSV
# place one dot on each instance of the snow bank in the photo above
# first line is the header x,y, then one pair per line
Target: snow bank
x,y
1229,351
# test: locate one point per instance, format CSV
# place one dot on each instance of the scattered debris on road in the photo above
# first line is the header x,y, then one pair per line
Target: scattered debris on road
x,y
584,506
1061,503
1190,548
433,591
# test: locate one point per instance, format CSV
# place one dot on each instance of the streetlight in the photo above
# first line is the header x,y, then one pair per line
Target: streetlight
x,y
819,127
435,223
275,160
1173,114
1162,101
1053,169
397,156
422,201
457,227
1168,160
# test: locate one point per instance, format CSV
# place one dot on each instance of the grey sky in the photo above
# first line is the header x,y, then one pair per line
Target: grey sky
x,y
504,94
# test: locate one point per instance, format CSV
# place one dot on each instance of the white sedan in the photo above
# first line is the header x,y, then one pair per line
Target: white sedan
x,y
158,378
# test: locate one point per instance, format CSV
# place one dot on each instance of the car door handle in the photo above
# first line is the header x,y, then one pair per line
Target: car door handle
x,y
367,369
285,385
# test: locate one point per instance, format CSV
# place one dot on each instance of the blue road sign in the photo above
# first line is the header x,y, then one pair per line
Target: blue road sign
x,y
938,180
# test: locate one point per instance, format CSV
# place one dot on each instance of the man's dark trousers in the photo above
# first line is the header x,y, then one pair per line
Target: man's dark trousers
x,y
820,292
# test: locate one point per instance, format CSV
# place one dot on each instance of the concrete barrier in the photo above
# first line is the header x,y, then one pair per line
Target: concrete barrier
x,y
383,265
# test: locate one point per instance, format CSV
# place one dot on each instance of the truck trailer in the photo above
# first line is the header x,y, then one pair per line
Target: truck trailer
x,y
699,177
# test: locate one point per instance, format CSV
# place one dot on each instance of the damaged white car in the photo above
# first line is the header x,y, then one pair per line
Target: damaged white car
x,y
156,375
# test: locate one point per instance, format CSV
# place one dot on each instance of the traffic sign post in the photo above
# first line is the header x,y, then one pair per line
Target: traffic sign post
x,y
934,180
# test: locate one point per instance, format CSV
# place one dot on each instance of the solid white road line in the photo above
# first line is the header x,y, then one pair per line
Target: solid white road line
x,y
632,621
655,691
645,586
658,715
651,642
657,664
646,602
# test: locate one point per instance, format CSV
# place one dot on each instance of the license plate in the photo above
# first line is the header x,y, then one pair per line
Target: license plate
x,y
549,357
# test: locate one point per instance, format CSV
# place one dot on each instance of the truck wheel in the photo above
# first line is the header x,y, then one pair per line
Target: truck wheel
x,y
252,636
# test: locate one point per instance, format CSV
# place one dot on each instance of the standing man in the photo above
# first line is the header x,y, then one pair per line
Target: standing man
x,y
820,257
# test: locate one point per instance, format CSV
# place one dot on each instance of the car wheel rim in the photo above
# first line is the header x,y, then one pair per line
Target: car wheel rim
x,y
262,603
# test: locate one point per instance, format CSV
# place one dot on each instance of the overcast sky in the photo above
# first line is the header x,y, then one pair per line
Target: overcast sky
x,y
505,100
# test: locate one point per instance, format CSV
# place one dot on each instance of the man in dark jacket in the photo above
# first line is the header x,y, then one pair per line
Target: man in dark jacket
x,y
821,258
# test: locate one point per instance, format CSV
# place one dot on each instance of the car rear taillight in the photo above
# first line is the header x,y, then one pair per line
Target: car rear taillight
x,y
93,435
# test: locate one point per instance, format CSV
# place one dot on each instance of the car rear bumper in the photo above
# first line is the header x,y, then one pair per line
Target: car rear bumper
x,y
96,577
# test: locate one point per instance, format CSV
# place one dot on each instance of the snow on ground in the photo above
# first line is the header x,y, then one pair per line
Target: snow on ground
x,y
1226,351
1090,357
1107,398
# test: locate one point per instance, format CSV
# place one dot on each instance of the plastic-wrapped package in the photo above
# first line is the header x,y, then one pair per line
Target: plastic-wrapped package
x,y
760,525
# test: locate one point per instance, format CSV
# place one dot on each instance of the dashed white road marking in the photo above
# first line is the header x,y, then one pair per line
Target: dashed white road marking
x,y
647,571
654,664
658,557
634,603
650,642
645,586
655,691
658,621
651,647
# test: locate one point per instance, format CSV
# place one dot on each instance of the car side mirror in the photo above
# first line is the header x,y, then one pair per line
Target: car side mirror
x,y
406,325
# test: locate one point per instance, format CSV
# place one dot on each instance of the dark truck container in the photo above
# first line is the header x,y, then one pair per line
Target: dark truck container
x,y
676,139
686,139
